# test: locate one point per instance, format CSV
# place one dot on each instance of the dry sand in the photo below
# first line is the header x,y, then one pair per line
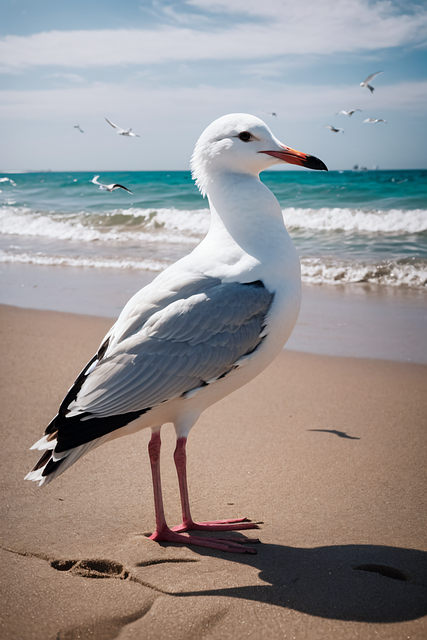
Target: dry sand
x,y
328,453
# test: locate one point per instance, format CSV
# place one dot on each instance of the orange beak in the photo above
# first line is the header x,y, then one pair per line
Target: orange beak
x,y
291,156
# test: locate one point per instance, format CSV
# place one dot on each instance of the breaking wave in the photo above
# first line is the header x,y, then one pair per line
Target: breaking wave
x,y
337,219
409,273
81,261
145,225
182,226
403,272
150,239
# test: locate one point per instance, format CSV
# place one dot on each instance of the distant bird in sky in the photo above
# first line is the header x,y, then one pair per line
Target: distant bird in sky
x,y
77,126
270,113
334,129
373,120
109,187
347,113
123,132
366,82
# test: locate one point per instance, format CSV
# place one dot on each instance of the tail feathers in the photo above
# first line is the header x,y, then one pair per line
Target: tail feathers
x,y
44,444
52,464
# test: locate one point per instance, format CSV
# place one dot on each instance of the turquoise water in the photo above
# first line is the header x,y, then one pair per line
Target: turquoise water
x,y
351,226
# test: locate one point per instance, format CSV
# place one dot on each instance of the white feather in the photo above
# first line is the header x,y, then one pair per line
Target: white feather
x,y
43,444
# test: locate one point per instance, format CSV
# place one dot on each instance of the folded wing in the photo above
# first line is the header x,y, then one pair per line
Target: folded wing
x,y
179,342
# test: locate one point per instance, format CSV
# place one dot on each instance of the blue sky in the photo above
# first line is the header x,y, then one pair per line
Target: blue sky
x,y
167,69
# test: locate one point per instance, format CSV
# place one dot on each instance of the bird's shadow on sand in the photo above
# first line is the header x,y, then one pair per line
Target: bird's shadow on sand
x,y
363,583
340,434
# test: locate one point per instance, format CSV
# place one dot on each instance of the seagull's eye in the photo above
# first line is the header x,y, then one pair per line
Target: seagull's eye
x,y
245,136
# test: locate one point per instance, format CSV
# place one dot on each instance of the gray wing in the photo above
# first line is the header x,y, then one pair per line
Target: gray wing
x,y
113,125
187,344
372,76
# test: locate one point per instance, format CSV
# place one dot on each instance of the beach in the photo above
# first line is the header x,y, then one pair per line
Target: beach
x,y
327,452
357,320
174,175
326,449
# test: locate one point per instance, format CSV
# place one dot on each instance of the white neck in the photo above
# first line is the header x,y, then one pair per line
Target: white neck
x,y
243,208
247,234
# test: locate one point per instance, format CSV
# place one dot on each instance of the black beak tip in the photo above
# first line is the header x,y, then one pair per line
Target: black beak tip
x,y
314,163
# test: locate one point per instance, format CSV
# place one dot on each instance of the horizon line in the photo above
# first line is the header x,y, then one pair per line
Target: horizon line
x,y
361,169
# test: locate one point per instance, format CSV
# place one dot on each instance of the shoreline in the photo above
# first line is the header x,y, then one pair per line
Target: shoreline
x,y
355,320
328,453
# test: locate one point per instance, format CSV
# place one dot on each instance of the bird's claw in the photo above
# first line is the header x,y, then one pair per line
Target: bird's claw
x,y
222,544
233,524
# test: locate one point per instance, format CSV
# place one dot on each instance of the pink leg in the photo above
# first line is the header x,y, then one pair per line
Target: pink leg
x,y
162,532
235,524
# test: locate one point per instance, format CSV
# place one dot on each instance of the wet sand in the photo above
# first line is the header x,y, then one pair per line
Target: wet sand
x,y
357,320
329,453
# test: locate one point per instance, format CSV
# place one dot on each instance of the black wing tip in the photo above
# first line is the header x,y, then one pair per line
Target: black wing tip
x,y
73,432
43,460
120,186
52,466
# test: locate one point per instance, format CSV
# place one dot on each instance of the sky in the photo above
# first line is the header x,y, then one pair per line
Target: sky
x,y
167,69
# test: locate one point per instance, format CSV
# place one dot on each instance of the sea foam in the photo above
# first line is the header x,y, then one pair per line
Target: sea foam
x,y
96,262
344,219
148,238
408,273
392,273
115,226
176,225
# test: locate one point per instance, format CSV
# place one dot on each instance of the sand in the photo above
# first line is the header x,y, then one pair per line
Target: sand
x,y
329,453
357,320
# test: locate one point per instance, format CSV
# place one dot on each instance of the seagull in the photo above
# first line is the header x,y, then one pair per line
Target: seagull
x,y
333,129
373,120
109,187
347,113
77,126
123,132
204,327
366,82
270,113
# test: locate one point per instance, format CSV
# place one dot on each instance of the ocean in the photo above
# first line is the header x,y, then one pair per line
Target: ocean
x,y
348,227
361,236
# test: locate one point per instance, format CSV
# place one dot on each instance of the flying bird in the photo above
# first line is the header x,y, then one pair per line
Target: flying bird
x,y
77,126
109,187
123,132
347,113
373,120
333,129
366,82
270,113
204,327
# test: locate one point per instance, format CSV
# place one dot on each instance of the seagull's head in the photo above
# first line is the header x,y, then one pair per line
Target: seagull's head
x,y
242,143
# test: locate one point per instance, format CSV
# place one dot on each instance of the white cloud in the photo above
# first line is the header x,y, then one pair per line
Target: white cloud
x,y
68,77
287,28
37,126
140,103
